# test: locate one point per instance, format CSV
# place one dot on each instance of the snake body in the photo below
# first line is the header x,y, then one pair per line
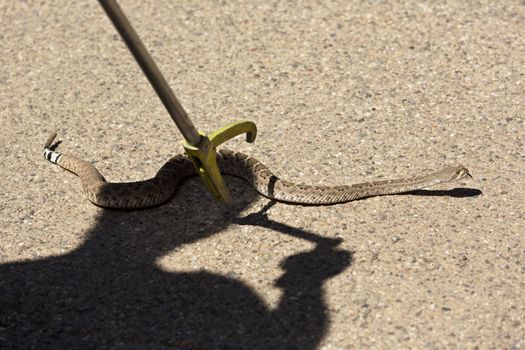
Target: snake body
x,y
162,187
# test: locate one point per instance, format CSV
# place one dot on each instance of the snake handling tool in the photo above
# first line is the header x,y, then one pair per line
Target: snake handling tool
x,y
199,147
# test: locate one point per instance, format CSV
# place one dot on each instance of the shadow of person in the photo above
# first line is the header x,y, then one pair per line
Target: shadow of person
x,y
110,293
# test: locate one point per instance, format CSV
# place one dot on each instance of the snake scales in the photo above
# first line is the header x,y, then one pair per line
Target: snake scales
x,y
159,189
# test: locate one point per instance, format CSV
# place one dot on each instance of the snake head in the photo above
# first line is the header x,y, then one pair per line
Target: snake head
x,y
451,174
460,173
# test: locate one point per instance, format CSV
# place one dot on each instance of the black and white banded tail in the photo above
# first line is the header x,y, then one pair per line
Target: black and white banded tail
x,y
49,154
52,156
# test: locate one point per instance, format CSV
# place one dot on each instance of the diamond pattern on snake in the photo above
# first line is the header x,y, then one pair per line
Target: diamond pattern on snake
x,y
162,187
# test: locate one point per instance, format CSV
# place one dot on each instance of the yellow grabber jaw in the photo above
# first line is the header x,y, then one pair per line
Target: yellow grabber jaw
x,y
203,156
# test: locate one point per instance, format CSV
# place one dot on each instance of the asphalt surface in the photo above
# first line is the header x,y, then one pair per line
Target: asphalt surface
x,y
341,92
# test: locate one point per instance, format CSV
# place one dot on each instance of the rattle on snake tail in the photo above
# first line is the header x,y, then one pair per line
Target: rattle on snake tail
x,y
159,189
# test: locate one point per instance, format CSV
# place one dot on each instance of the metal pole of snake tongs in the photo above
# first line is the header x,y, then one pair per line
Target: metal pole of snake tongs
x,y
200,148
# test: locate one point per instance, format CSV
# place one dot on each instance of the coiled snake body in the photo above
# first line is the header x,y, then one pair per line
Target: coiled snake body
x,y
159,189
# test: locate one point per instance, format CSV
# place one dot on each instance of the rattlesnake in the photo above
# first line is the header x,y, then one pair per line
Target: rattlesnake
x,y
159,189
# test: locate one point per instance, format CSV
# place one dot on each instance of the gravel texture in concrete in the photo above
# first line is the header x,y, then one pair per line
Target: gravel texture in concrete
x,y
342,92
